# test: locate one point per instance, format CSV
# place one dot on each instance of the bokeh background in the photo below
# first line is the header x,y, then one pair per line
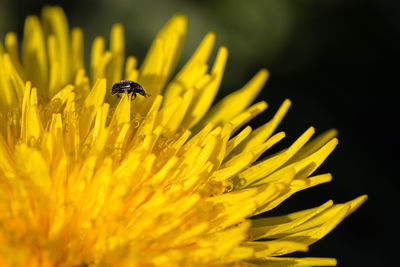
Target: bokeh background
x,y
335,59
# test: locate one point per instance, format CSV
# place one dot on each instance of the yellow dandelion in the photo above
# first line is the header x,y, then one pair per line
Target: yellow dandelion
x,y
88,179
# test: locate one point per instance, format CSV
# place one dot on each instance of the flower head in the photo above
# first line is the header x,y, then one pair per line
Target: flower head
x,y
87,178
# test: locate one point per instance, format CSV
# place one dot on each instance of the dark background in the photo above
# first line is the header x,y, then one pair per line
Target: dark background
x,y
335,59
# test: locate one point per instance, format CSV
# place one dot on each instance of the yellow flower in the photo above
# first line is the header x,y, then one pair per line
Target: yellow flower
x,y
169,180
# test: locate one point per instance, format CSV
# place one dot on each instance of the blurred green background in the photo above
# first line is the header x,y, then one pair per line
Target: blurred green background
x,y
335,59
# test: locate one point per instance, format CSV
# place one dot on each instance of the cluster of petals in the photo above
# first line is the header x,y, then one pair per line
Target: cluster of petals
x,y
89,179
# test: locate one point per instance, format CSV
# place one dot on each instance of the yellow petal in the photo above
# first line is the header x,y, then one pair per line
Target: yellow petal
x,y
206,95
267,166
323,223
92,102
295,186
122,113
315,144
235,141
15,82
201,55
148,124
97,53
6,163
34,54
297,262
255,197
262,133
53,138
324,220
163,54
72,138
175,121
247,115
236,102
31,125
270,226
193,70
76,51
11,43
32,167
8,96
55,23
130,69
225,241
58,101
100,133
54,65
264,249
117,47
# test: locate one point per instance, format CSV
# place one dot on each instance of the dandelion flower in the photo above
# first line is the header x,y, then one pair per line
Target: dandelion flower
x,y
88,179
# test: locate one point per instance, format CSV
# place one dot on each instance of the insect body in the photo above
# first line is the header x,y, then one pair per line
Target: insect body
x,y
128,87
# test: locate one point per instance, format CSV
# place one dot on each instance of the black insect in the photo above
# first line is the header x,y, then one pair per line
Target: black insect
x,y
128,87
